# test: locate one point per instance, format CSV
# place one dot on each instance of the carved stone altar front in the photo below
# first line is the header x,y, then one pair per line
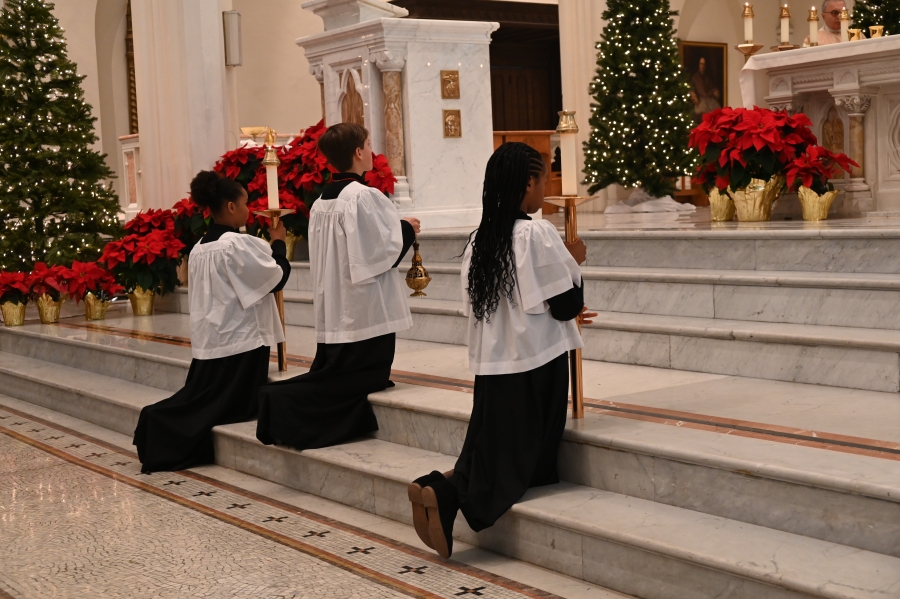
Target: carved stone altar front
x,y
851,92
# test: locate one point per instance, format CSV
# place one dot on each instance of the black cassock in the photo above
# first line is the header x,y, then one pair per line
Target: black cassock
x,y
330,403
176,433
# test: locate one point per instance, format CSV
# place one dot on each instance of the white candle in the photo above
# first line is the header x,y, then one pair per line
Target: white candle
x,y
845,27
748,22
785,26
272,183
813,27
568,145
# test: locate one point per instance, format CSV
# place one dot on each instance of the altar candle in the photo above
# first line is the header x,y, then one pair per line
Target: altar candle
x,y
272,183
748,22
813,27
845,25
785,25
567,149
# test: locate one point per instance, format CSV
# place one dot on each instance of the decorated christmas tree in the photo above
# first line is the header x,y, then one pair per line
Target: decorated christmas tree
x,y
642,114
55,201
877,12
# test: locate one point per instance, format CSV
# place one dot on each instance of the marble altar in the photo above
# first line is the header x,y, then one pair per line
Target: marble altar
x,y
386,72
851,92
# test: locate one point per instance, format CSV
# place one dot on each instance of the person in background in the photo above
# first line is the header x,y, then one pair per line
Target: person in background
x,y
830,33
234,323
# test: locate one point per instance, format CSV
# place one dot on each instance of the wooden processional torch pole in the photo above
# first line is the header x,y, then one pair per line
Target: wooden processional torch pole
x,y
569,201
274,212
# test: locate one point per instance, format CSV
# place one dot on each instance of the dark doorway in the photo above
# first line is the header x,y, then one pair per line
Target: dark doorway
x,y
526,89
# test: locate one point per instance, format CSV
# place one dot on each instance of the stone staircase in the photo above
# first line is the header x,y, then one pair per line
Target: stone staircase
x,y
658,512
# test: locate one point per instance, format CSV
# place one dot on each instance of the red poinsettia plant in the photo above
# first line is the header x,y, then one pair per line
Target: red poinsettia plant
x,y
90,277
151,220
814,167
739,144
48,280
302,175
14,287
191,223
146,261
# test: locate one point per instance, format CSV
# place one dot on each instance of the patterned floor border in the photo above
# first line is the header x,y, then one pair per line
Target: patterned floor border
x,y
366,554
874,448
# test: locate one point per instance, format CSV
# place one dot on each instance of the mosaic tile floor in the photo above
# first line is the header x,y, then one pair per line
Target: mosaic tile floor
x,y
78,519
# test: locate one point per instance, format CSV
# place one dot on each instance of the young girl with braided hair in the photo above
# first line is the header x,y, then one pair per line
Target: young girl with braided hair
x,y
522,291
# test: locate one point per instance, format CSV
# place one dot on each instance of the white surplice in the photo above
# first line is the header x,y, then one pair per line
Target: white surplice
x,y
231,304
354,241
522,334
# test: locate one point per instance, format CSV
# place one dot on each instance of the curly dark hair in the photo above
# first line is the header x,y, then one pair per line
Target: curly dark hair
x,y
492,270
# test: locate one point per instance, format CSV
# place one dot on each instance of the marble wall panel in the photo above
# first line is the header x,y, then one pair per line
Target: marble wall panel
x,y
864,308
650,252
834,366
299,314
624,347
670,299
829,255
654,576
843,518
442,249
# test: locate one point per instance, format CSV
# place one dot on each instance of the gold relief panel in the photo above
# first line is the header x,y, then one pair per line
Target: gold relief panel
x,y
452,123
450,85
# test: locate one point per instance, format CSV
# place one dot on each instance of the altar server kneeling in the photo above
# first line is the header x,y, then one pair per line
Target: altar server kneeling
x,y
234,323
522,291
356,238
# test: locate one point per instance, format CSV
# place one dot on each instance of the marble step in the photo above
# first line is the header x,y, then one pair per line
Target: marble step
x,y
850,357
851,250
833,299
776,485
628,544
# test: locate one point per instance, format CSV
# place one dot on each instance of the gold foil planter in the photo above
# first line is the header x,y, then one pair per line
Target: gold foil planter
x,y
721,206
290,241
141,301
417,277
815,206
48,310
94,307
753,203
13,314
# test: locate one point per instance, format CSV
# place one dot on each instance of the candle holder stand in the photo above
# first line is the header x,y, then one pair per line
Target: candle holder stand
x,y
275,216
784,47
570,204
748,50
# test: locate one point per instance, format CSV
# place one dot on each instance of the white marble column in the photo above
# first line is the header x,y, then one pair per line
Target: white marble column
x,y
580,27
187,97
318,71
390,63
856,107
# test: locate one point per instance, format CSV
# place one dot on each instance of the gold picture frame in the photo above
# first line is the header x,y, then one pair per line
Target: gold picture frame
x,y
709,89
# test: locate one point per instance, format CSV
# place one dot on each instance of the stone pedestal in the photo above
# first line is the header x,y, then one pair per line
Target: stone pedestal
x,y
391,74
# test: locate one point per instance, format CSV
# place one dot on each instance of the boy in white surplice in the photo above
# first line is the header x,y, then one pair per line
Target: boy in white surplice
x,y
356,239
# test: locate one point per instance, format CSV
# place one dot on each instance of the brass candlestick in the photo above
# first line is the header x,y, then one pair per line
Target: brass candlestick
x,y
570,203
417,277
748,50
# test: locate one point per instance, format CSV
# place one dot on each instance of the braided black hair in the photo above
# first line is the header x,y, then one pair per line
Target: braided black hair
x,y
492,270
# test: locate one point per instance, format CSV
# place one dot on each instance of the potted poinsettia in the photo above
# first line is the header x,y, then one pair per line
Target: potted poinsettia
x,y
95,285
145,265
14,290
744,153
809,176
151,220
48,288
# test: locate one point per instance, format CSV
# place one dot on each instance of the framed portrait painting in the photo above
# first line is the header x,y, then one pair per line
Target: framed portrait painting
x,y
706,66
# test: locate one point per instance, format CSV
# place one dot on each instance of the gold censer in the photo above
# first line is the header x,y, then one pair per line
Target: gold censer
x,y
417,277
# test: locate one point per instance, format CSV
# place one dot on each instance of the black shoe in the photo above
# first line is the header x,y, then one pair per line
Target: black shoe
x,y
441,502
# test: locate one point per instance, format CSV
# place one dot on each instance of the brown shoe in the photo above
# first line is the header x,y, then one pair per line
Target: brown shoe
x,y
419,513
